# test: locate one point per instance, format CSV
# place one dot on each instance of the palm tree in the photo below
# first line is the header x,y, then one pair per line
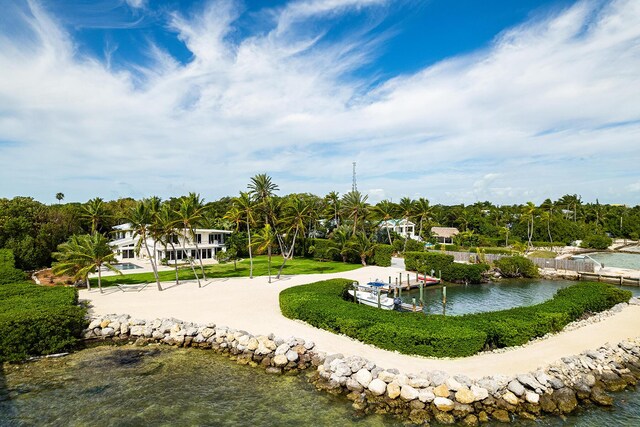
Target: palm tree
x,y
95,211
60,197
546,216
243,208
341,236
386,211
333,201
505,231
140,218
164,226
528,214
262,187
362,246
84,254
355,207
265,240
189,215
298,212
423,210
406,207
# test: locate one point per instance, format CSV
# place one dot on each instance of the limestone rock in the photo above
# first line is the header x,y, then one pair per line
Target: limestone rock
x,y
426,396
453,384
363,376
280,360
108,332
282,349
464,395
292,356
353,385
419,382
393,390
438,377
516,388
443,404
530,381
565,399
510,398
377,387
470,421
444,418
599,396
479,393
501,415
532,397
408,393
441,391
386,376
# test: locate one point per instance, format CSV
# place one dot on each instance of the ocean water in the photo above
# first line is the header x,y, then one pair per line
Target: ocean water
x,y
163,386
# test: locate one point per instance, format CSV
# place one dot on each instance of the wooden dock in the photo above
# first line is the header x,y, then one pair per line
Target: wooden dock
x,y
411,308
611,278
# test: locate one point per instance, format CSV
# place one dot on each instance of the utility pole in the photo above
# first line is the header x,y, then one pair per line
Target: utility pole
x,y
354,186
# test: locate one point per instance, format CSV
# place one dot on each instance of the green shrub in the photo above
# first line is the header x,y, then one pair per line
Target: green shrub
x,y
427,261
547,244
596,241
321,304
382,255
320,249
517,266
464,273
8,272
494,251
36,320
443,247
414,246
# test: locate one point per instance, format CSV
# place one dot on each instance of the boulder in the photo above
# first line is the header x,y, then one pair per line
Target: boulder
x,y
510,398
363,376
529,381
408,393
292,356
532,397
280,360
501,415
443,404
393,390
464,395
438,377
377,387
426,396
470,421
453,384
516,388
386,376
419,382
108,332
441,391
565,399
599,396
479,393
353,385
282,349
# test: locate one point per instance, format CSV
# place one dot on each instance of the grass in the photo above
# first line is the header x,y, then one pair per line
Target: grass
x,y
260,267
542,254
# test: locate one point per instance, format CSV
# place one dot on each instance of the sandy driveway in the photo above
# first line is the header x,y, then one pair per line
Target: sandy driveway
x,y
252,305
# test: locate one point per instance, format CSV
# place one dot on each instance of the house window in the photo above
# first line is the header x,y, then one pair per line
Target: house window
x,y
128,253
174,239
199,238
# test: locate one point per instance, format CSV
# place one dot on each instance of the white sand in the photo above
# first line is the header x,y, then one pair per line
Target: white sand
x,y
252,305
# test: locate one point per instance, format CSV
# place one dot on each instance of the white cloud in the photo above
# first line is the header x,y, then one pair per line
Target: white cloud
x,y
552,107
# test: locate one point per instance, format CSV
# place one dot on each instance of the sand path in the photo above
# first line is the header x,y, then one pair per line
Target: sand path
x,y
252,305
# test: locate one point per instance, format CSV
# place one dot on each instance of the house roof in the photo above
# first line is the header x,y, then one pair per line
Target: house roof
x,y
396,223
444,231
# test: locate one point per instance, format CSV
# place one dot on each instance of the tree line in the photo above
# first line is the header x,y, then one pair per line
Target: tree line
x,y
265,221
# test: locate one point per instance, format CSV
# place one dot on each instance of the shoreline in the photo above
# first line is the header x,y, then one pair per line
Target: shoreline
x,y
557,388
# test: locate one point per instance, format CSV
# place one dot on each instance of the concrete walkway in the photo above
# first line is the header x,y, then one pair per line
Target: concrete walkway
x,y
252,305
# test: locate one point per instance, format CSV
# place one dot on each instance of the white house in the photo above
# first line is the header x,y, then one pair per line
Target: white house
x,y
403,227
209,241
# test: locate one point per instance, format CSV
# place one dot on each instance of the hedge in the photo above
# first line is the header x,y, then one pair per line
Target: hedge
x,y
382,255
443,264
596,241
8,272
321,250
37,320
321,305
517,266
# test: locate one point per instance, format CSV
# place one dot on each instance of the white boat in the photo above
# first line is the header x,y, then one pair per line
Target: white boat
x,y
368,295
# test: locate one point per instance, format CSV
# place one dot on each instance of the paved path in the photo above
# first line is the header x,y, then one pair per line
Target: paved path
x,y
252,305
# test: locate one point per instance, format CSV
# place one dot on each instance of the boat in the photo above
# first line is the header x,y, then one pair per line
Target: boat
x,y
428,280
368,295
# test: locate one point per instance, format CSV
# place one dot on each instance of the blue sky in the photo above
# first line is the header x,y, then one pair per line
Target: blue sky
x,y
456,101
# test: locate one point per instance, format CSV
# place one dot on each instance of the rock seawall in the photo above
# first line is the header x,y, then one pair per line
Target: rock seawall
x,y
420,398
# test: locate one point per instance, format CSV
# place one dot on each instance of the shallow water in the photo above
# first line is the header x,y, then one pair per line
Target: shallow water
x,y
620,260
130,386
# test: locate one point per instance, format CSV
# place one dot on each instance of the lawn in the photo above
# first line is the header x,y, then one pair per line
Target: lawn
x,y
260,267
542,254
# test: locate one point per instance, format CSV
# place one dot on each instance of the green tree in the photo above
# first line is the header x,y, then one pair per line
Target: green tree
x,y
243,211
362,246
189,215
84,254
423,211
140,218
386,211
95,211
59,197
165,229
265,241
355,207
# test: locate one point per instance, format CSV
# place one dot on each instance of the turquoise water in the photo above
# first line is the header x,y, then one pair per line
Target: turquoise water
x,y
502,295
129,386
621,260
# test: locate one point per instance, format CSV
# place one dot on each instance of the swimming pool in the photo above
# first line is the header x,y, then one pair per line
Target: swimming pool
x,y
126,266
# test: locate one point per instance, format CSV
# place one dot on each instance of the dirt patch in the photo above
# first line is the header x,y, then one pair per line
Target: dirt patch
x,y
47,278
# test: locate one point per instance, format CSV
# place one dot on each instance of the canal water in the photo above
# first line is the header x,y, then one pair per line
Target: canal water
x,y
163,386
620,259
502,295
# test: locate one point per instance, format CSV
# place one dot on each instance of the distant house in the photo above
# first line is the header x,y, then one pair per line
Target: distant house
x,y
403,227
210,242
444,234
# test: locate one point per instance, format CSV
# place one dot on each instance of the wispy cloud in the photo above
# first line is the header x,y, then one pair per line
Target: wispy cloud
x,y
525,118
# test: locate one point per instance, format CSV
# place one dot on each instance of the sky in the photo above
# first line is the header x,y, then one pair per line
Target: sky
x,y
457,101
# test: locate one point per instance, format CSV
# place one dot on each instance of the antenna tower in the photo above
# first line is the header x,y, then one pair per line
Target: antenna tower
x,y
354,186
